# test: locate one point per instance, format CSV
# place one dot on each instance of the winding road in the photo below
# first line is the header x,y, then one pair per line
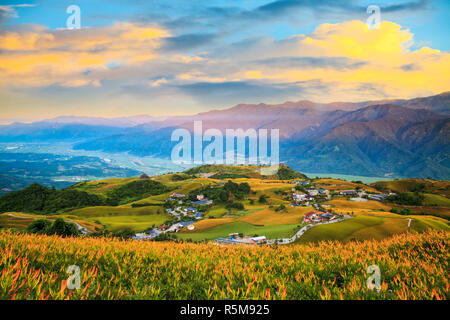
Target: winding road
x,y
303,230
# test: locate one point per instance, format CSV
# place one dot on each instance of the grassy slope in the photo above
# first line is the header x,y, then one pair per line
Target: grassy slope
x,y
337,184
22,220
407,185
223,230
116,218
339,230
257,215
436,200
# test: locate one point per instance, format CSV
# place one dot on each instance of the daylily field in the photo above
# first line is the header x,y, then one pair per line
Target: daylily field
x,y
412,265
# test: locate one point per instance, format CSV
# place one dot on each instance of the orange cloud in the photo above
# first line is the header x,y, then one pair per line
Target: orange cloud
x,y
40,57
382,61
388,63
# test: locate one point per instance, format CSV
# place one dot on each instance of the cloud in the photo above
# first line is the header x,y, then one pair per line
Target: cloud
x,y
39,56
187,41
9,11
233,92
350,54
281,7
148,65
311,62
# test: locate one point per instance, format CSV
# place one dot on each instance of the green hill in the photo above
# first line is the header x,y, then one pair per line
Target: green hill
x,y
244,171
38,199
415,185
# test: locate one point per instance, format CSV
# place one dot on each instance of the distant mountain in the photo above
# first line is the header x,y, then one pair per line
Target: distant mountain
x,y
392,137
439,103
110,122
375,141
48,131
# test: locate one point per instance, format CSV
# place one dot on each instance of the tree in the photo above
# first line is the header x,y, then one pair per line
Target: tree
x,y
234,205
262,198
62,228
58,227
126,233
280,207
39,226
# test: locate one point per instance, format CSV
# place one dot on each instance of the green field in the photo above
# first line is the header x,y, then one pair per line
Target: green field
x,y
421,224
271,232
372,219
117,218
107,211
339,230
135,223
13,222
436,200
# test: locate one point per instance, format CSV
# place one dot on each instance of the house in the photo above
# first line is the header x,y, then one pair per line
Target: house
x,y
141,236
300,183
147,236
324,191
177,195
348,192
327,216
313,192
359,199
309,216
198,215
185,223
237,238
202,202
174,227
298,196
170,211
191,209
318,217
200,197
377,197
258,239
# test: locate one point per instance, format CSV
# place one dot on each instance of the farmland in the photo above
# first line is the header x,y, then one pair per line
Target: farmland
x,y
138,205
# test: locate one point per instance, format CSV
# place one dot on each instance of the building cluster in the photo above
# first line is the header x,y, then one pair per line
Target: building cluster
x,y
182,209
237,238
316,217
305,199
310,196
162,229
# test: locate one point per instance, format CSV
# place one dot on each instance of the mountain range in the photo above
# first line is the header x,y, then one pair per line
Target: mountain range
x,y
407,138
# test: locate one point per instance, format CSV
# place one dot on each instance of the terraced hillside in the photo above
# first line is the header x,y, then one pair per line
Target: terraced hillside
x,y
265,207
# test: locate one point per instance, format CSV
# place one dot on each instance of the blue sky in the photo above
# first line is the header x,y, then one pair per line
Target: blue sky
x,y
428,20
213,54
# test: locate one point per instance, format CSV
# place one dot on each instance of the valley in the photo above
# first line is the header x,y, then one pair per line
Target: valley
x,y
188,206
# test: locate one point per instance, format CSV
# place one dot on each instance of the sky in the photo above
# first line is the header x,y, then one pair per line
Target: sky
x,y
176,57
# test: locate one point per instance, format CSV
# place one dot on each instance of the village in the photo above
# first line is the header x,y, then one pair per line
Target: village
x,y
186,212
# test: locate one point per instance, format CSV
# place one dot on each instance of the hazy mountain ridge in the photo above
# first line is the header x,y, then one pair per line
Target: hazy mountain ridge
x,y
370,139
